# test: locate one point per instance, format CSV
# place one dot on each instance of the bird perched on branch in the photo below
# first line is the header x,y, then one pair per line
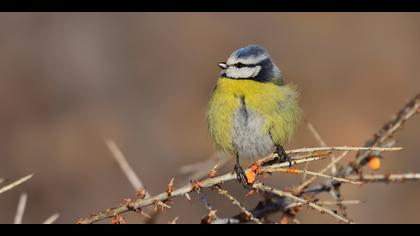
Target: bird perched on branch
x,y
252,112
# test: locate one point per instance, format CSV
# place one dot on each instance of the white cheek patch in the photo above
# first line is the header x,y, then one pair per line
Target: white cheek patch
x,y
244,72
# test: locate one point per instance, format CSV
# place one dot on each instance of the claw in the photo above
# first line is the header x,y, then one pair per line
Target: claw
x,y
241,175
282,156
285,158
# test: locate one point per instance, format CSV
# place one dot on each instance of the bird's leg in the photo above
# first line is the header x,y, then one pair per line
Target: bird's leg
x,y
282,156
240,173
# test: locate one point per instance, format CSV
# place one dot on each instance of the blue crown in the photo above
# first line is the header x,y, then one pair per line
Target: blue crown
x,y
250,50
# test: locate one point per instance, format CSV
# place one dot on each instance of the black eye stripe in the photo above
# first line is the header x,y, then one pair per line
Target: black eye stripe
x,y
240,64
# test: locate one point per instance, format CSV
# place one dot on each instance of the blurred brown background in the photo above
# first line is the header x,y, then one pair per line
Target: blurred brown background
x,y
69,80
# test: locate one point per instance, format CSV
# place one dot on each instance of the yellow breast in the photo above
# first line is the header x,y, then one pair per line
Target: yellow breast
x,y
276,104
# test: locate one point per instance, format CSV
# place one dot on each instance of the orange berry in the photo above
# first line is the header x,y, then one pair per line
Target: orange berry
x,y
250,176
118,219
374,163
284,220
292,171
254,168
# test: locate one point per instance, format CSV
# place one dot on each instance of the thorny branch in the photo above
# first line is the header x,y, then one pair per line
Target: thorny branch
x,y
292,197
288,203
380,138
211,216
238,204
315,174
311,154
386,178
329,166
182,191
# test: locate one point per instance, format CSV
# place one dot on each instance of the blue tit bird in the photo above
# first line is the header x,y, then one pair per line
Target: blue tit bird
x,y
252,111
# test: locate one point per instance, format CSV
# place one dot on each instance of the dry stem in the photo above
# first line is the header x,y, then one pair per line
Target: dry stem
x,y
21,208
51,219
315,174
15,184
280,193
238,204
209,182
386,178
125,167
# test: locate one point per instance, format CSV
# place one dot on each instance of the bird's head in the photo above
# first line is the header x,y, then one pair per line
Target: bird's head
x,y
251,62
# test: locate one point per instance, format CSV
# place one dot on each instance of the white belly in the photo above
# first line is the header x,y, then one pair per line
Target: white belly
x,y
247,136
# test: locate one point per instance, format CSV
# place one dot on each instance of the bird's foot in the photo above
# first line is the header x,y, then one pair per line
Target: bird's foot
x,y
241,175
282,156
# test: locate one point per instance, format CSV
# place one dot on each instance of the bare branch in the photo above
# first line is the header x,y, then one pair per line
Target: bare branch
x,y
387,178
280,193
317,136
297,171
201,169
343,202
325,151
51,219
225,221
238,204
205,201
173,222
125,167
21,208
323,144
311,180
15,184
209,182
343,148
315,133
211,212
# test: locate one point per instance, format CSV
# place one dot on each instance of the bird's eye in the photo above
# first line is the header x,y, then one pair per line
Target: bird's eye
x,y
239,65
